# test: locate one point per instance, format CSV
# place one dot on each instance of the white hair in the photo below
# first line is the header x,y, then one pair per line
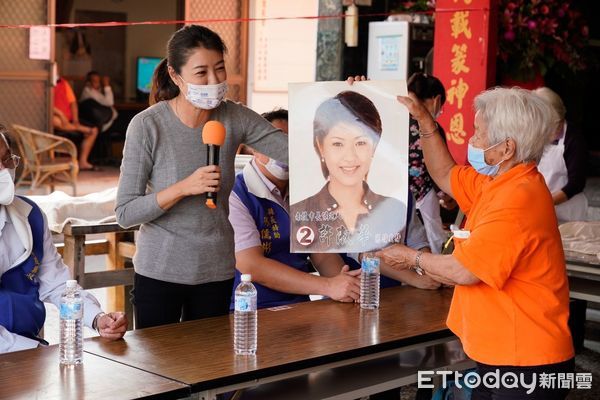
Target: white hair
x,y
520,115
556,103
554,100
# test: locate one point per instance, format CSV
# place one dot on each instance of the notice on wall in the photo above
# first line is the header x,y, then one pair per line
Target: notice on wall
x,y
281,45
349,167
39,42
389,53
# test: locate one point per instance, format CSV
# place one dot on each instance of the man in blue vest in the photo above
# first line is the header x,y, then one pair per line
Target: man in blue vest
x,y
31,271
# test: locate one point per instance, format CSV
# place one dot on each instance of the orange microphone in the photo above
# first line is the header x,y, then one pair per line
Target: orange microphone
x,y
213,135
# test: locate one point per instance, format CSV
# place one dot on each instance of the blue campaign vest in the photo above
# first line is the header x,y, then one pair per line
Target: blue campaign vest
x,y
273,224
22,312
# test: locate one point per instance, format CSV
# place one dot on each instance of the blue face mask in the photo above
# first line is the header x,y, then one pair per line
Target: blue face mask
x,y
476,158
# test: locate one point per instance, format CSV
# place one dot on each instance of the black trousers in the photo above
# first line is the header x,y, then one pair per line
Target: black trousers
x,y
159,303
483,393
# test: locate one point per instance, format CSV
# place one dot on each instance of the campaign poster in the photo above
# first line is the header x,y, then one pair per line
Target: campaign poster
x,y
348,166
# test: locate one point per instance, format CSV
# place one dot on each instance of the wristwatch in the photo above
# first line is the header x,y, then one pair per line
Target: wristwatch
x,y
417,266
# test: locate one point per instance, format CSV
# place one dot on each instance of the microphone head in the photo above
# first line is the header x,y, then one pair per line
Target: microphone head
x,y
210,203
213,133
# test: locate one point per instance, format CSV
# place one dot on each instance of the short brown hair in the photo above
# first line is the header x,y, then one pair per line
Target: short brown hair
x,y
359,109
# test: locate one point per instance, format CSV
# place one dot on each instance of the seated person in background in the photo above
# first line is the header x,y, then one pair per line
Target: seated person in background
x,y
432,93
96,103
259,214
31,271
563,164
66,119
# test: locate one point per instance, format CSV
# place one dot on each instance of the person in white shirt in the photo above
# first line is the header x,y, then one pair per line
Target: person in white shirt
x,y
97,100
563,163
31,270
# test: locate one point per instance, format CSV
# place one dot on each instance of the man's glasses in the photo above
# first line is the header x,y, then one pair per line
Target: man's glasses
x,y
11,162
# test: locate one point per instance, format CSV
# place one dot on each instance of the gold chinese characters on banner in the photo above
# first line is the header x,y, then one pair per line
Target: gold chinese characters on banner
x,y
461,63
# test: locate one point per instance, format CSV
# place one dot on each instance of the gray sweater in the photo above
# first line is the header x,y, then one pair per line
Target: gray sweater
x,y
189,243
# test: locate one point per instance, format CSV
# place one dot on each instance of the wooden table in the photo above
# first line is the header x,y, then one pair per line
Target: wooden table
x,y
584,280
306,337
36,374
584,286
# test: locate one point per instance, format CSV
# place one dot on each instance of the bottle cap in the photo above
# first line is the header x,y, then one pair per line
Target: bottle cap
x,y
246,278
71,284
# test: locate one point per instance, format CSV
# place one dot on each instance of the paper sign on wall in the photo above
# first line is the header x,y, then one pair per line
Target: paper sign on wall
x,y
39,42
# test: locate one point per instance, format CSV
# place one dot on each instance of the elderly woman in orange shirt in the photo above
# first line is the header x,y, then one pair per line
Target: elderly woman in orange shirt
x,y
511,301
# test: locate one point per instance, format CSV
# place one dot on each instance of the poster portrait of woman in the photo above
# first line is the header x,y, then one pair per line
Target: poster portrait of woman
x,y
356,200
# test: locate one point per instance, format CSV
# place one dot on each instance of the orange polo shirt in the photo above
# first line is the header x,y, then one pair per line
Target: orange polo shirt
x,y
517,315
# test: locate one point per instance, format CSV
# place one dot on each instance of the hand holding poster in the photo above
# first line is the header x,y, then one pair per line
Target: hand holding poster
x,y
348,166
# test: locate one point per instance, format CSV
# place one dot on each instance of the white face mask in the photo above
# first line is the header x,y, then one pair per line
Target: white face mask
x,y
7,186
277,169
206,97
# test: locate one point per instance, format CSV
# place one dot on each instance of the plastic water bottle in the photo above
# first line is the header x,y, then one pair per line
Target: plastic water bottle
x,y
244,317
369,283
71,325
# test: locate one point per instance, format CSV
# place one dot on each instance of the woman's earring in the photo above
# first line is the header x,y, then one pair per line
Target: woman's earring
x,y
322,159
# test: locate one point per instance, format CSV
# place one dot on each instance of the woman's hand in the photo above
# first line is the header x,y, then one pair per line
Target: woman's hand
x,y
416,108
397,256
203,180
357,78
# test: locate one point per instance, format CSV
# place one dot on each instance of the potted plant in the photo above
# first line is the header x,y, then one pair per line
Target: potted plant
x,y
537,35
416,11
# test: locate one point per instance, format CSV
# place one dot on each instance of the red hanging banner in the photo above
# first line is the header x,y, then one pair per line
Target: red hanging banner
x,y
464,59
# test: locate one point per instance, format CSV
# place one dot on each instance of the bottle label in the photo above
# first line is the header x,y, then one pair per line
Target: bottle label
x,y
370,265
71,311
245,303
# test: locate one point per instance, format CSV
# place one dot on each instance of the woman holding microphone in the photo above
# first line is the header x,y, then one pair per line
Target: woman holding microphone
x,y
185,259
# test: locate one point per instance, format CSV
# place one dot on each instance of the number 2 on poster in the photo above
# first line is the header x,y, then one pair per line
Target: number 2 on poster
x,y
305,236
